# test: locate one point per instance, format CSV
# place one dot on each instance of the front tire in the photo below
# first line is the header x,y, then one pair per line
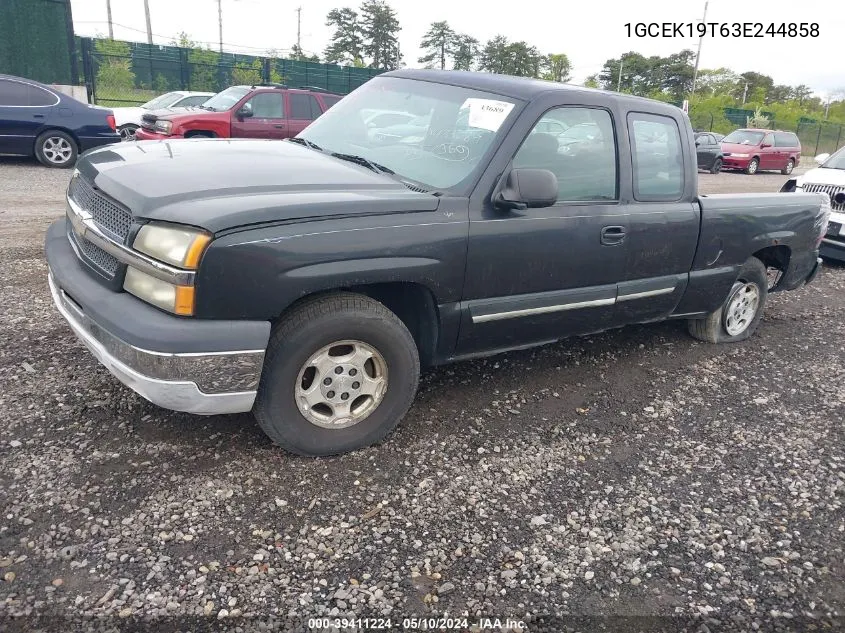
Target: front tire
x,y
753,166
739,316
56,149
340,373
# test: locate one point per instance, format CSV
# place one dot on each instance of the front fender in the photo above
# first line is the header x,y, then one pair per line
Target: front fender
x,y
265,270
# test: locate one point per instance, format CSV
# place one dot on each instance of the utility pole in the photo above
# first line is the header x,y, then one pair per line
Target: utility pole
x,y
298,32
745,93
108,11
619,81
149,24
220,22
698,54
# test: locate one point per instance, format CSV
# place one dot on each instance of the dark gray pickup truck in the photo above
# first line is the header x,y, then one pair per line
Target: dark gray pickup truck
x,y
310,280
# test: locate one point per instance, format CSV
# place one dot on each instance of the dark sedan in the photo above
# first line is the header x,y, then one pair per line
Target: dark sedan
x,y
709,151
37,120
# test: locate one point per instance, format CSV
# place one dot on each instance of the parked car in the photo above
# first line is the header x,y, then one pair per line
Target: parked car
x,y
753,150
709,152
128,120
828,178
37,120
269,111
309,280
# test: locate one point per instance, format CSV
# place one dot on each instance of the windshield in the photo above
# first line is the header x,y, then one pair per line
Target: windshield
x,y
744,137
162,101
226,99
836,161
452,130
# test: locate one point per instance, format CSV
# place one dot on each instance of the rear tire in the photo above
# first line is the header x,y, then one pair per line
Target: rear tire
x,y
717,166
313,351
753,166
790,165
56,149
739,316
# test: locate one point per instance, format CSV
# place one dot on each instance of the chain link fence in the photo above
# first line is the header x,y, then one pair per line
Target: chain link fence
x,y
119,73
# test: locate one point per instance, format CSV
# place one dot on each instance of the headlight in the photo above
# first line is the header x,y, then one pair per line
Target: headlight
x,y
740,155
164,126
177,245
175,299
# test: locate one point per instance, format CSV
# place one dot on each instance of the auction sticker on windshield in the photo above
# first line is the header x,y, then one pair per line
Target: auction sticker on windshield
x,y
487,114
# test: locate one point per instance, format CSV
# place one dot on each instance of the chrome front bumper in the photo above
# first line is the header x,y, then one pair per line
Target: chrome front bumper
x,y
201,383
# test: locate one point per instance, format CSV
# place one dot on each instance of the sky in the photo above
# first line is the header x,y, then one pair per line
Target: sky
x,y
588,32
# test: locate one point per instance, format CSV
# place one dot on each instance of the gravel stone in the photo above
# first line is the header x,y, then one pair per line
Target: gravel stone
x,y
632,472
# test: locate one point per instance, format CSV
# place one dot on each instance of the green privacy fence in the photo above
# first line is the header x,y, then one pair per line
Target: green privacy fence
x,y
121,73
36,40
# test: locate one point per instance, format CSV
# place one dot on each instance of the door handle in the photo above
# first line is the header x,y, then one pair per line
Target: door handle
x,y
37,116
612,235
281,127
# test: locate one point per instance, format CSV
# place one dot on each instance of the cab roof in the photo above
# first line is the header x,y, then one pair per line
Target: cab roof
x,y
523,88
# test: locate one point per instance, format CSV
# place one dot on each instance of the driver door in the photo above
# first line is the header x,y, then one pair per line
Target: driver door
x,y
538,275
267,120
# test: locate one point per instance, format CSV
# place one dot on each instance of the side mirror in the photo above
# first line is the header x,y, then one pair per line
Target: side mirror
x,y
698,143
245,112
527,189
822,157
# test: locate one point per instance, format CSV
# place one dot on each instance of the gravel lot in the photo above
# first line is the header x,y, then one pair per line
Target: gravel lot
x,y
637,474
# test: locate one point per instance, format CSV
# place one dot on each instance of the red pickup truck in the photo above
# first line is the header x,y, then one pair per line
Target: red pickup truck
x,y
266,111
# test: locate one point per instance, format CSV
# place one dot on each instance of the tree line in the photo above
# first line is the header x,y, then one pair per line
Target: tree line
x,y
369,36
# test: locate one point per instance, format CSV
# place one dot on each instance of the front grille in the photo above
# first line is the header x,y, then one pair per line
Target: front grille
x,y
97,256
830,190
108,215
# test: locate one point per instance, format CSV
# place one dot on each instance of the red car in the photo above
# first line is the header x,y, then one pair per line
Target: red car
x,y
753,150
267,111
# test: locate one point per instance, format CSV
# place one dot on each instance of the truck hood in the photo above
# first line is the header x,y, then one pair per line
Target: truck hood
x,y
168,114
220,184
823,176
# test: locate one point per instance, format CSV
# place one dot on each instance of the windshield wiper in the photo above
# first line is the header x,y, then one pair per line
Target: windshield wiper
x,y
306,143
366,162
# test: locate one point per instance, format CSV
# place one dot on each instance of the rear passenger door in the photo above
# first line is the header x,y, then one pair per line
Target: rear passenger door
x,y
302,109
663,222
24,111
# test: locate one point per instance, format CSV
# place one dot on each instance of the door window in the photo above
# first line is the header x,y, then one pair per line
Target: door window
x,y
785,139
14,93
578,146
768,140
304,107
267,105
330,101
189,102
657,157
